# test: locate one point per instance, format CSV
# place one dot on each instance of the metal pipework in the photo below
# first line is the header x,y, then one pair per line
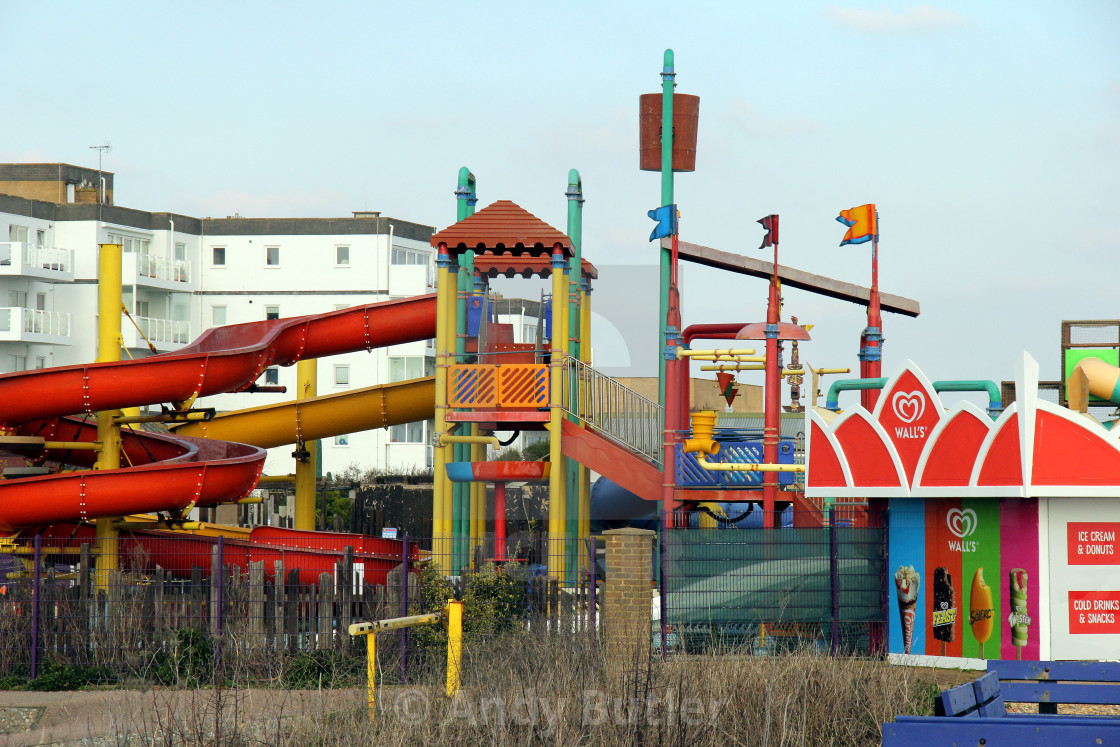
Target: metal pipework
x,y
749,367
395,623
204,415
449,439
731,358
249,499
995,399
712,467
276,479
686,353
73,445
847,385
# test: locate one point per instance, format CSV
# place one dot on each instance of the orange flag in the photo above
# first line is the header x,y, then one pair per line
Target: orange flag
x,y
862,223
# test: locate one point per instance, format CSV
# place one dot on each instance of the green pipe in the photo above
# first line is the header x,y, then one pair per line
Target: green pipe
x,y
465,199
575,197
847,385
995,401
668,74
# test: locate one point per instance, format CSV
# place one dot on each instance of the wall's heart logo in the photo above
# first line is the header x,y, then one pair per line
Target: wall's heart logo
x,y
908,406
961,523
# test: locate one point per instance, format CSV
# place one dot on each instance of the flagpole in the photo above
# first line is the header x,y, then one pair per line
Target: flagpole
x,y
871,342
773,403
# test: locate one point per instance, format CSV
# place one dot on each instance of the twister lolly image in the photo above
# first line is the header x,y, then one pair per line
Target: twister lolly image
x,y
944,607
1018,619
906,581
980,614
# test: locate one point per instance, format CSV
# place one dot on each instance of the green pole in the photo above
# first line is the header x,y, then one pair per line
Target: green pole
x,y
668,75
574,194
465,199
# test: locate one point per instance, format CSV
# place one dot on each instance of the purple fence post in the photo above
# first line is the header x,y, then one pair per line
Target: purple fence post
x,y
592,613
35,609
887,591
834,578
219,583
404,608
663,584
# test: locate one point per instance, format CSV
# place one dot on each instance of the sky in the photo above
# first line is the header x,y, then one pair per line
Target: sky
x,y
988,135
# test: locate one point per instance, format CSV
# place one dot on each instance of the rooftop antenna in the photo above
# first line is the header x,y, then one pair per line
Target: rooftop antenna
x,y
101,150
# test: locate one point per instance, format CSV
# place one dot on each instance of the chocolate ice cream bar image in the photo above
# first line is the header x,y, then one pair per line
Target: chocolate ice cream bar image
x,y
944,605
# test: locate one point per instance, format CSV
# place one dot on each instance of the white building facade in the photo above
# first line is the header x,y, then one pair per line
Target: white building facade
x,y
183,275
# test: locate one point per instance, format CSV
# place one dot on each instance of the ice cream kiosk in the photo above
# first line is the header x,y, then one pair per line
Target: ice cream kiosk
x,y
1002,533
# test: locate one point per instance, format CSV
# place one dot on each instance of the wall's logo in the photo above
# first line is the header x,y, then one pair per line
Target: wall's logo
x,y
908,406
962,524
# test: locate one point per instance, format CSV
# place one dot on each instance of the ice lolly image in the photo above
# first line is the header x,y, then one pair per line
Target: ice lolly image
x,y
980,613
1019,619
906,581
944,607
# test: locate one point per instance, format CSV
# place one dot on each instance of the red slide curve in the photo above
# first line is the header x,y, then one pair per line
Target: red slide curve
x,y
168,473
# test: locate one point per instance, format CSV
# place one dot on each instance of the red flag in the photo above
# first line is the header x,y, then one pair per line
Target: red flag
x,y
770,223
727,388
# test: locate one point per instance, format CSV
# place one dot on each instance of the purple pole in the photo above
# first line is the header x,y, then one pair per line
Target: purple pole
x,y
664,596
834,577
592,612
218,626
35,609
404,608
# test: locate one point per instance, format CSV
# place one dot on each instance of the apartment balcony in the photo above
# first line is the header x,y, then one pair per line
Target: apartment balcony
x,y
18,324
166,334
45,263
149,271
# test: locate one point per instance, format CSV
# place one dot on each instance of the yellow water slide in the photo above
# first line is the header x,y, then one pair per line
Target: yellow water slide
x,y
327,416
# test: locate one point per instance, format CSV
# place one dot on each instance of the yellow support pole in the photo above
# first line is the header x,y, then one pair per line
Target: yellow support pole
x,y
108,432
478,495
454,544
453,614
307,382
445,290
556,482
371,674
585,356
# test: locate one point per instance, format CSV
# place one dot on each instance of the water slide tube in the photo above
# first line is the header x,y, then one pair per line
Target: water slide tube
x,y
169,473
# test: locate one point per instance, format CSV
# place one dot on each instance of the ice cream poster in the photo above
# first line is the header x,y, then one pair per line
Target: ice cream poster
x,y
964,577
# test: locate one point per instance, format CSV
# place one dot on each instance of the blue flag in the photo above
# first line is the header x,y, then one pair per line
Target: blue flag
x,y
666,217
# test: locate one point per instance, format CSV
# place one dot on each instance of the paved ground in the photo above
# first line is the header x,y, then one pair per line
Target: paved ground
x,y
109,717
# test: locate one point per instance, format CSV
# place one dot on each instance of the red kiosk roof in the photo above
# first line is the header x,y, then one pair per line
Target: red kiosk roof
x,y
503,228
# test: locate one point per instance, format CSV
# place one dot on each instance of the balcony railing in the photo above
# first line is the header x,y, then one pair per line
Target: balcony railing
x,y
163,330
18,323
36,257
162,268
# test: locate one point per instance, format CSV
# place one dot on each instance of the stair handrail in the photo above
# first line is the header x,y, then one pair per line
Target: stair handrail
x,y
612,409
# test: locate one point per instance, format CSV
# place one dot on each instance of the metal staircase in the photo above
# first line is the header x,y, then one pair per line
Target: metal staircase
x,y
613,410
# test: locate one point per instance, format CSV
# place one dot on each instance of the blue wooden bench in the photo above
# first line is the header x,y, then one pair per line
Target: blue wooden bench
x,y
974,714
1050,683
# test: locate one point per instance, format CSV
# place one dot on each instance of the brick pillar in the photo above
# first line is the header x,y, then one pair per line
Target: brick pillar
x,y
628,595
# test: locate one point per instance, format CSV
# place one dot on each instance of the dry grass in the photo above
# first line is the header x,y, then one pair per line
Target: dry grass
x,y
525,689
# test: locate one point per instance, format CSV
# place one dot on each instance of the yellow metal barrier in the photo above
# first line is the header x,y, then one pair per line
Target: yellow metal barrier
x,y
451,617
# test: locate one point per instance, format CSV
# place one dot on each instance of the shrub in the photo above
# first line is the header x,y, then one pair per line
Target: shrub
x,y
323,668
191,661
61,677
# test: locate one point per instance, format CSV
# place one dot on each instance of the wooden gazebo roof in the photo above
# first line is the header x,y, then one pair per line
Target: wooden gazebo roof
x,y
502,228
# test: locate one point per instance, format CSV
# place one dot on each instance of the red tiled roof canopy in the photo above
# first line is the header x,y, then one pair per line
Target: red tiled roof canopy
x,y
507,266
502,228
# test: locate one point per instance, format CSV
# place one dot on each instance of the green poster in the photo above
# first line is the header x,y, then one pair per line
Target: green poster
x,y
980,581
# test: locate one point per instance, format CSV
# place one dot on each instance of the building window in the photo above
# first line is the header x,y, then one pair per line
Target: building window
x,y
218,258
342,255
19,362
402,256
272,376
342,440
17,233
272,256
405,367
41,237
341,375
217,316
271,312
130,244
180,251
407,433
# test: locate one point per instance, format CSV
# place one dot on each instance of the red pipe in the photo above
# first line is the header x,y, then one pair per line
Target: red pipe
x,y
500,520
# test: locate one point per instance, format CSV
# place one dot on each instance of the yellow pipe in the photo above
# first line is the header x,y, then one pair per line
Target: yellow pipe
x,y
478,495
708,522
731,358
371,673
250,499
703,427
453,617
750,367
183,417
449,453
584,473
73,445
704,463
306,384
444,291
108,432
276,479
487,440
683,353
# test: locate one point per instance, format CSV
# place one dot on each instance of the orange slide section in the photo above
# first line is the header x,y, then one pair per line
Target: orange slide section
x,y
161,472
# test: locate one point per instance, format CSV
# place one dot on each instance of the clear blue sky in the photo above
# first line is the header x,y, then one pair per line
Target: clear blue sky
x,y
987,133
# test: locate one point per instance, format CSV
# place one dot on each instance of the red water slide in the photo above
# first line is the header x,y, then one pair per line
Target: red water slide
x,y
162,472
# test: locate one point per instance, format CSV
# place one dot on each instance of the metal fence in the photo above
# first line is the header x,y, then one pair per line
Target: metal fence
x,y
613,409
192,609
766,590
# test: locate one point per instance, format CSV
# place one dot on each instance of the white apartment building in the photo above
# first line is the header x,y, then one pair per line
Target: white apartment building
x,y
182,275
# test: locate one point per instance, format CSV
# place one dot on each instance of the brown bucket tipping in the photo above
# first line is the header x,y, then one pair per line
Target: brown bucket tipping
x,y
686,114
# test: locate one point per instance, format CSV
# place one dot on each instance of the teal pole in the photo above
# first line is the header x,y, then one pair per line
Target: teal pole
x,y
465,199
668,76
574,194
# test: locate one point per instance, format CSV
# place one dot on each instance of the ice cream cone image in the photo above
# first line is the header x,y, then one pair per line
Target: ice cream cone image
x,y
906,581
980,614
1018,619
944,607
